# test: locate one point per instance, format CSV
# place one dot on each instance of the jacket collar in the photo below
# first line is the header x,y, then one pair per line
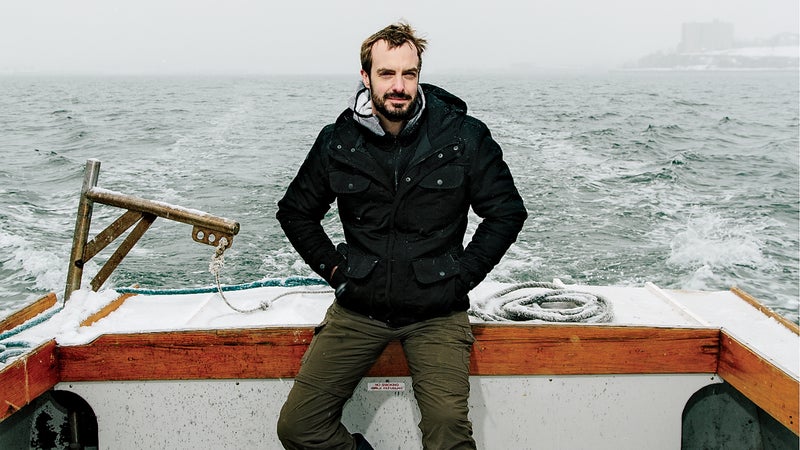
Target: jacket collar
x,y
360,103
443,114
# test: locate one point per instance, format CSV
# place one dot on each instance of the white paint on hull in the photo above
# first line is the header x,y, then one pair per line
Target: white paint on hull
x,y
521,412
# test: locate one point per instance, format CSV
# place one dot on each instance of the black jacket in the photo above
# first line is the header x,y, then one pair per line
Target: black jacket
x,y
404,259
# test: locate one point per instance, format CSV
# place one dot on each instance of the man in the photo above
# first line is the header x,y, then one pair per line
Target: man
x,y
404,163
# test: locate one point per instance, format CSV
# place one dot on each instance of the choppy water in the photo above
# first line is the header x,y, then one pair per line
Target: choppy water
x,y
688,180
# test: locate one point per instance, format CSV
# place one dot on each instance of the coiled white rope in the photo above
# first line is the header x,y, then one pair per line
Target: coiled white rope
x,y
556,304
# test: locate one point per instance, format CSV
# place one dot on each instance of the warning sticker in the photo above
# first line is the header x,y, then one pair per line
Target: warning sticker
x,y
386,386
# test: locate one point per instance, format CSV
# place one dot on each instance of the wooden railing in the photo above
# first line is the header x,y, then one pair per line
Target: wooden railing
x,y
207,229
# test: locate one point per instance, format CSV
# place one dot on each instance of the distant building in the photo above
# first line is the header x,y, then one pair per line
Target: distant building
x,y
706,36
711,46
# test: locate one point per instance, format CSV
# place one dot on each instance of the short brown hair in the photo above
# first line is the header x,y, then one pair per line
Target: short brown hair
x,y
395,35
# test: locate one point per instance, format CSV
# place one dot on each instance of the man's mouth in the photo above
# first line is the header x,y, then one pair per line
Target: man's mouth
x,y
397,97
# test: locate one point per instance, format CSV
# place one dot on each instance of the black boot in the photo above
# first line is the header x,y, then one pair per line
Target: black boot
x,y
361,442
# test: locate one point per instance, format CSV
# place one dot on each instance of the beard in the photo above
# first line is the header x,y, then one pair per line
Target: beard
x,y
379,104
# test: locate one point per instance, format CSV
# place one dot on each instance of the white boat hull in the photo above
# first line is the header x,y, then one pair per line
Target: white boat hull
x,y
522,412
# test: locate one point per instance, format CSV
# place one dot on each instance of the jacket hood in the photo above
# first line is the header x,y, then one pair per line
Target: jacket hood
x,y
446,97
361,105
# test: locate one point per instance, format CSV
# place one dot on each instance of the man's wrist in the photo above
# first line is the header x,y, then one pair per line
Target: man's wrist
x,y
337,277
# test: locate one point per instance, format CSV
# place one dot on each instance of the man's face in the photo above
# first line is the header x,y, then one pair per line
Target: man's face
x,y
393,80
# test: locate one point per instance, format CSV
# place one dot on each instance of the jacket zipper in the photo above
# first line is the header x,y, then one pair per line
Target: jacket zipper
x,y
397,158
392,232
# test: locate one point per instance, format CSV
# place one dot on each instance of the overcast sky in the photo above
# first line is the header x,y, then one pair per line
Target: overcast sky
x,y
323,36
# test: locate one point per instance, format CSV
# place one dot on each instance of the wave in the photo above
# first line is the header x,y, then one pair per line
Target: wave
x,y
31,269
714,241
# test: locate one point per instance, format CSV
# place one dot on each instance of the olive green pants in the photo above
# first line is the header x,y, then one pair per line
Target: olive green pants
x,y
345,346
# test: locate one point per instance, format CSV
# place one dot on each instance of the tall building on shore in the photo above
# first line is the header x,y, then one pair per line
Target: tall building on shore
x,y
706,36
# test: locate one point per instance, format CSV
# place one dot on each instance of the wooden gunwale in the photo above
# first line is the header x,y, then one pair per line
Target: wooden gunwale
x,y
106,310
29,312
498,350
766,385
27,378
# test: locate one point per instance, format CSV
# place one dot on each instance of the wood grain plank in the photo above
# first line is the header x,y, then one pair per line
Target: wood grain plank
x,y
28,312
576,350
213,354
499,350
766,385
106,310
13,388
27,378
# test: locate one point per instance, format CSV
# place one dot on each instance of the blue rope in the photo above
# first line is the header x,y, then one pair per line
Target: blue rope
x,y
278,282
7,354
30,324
15,348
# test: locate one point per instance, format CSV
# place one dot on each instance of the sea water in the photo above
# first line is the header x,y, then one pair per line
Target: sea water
x,y
685,179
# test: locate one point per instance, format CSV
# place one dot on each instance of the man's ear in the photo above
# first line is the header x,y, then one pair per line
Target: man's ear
x,y
365,78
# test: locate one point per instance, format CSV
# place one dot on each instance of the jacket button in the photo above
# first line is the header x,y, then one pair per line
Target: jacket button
x,y
339,147
349,185
455,148
441,156
441,274
408,179
352,150
322,266
439,182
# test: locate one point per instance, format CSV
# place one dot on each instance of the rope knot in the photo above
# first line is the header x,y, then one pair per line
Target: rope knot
x,y
218,259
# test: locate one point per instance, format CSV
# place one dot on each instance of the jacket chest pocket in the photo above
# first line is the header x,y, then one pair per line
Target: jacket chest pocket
x,y
438,200
343,183
356,199
447,177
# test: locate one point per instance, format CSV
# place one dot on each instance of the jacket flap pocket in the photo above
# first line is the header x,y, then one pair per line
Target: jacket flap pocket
x,y
360,265
447,177
431,270
348,183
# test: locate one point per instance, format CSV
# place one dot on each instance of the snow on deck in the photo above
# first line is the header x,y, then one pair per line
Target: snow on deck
x,y
726,310
635,306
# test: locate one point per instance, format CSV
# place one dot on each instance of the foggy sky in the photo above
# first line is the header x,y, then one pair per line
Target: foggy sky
x,y
323,36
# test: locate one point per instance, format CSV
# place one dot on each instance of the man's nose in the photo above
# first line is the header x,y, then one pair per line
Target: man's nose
x,y
397,84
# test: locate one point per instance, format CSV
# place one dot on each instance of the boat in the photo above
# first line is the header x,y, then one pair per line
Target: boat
x,y
554,366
